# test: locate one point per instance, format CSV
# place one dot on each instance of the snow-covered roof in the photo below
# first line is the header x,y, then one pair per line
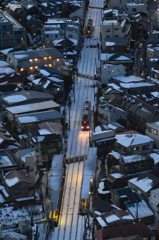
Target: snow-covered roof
x,y
145,184
136,85
155,157
32,107
55,179
89,171
128,79
109,44
128,140
133,158
139,210
3,64
101,186
115,154
101,222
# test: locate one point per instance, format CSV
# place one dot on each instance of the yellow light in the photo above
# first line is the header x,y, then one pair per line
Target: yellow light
x,y
57,59
50,65
45,58
36,67
49,57
31,68
36,59
22,69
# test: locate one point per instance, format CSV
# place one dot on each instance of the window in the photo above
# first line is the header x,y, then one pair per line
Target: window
x,y
155,132
133,9
35,59
145,147
149,129
118,70
135,148
108,72
45,58
108,30
56,36
70,35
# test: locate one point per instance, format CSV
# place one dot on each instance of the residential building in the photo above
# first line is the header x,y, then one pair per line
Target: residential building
x,y
113,29
129,143
133,8
107,113
12,34
152,131
27,62
24,122
110,70
154,204
7,163
125,231
22,186
143,184
118,4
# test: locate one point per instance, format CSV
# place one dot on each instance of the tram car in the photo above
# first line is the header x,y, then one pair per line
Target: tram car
x,y
89,28
88,181
86,116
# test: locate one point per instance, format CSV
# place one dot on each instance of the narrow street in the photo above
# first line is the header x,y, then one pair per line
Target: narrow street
x,y
71,225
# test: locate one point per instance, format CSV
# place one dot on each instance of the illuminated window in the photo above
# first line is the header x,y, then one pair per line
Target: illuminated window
x,y
57,59
45,65
22,69
36,67
49,57
45,58
31,68
30,60
50,65
36,59
155,131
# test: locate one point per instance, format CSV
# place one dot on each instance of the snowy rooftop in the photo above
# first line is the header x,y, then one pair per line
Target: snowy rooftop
x,y
115,154
128,140
32,107
145,184
6,161
128,79
133,158
136,85
55,179
139,210
155,157
89,171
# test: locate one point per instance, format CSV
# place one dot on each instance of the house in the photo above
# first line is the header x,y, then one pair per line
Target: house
x,y
46,138
7,163
143,184
24,97
118,4
110,70
138,88
139,24
153,201
134,8
113,29
28,158
117,44
24,122
107,113
12,112
7,142
12,34
136,143
19,185
126,198
27,62
152,131
125,231
118,58
114,218
11,78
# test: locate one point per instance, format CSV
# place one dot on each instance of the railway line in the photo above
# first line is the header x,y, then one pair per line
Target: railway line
x,y
71,224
